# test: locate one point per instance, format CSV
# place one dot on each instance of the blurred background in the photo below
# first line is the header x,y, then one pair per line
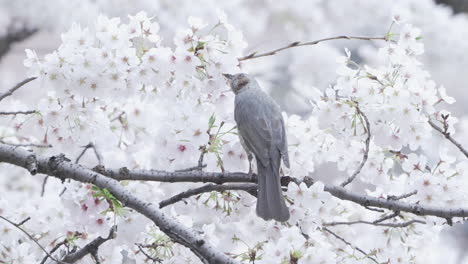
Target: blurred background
x,y
268,24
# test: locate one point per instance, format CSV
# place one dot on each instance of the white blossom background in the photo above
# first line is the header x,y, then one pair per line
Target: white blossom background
x,y
323,141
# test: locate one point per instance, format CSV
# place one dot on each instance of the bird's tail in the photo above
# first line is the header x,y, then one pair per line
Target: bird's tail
x,y
270,200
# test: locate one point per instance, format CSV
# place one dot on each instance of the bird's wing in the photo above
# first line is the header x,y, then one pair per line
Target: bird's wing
x,y
283,144
254,127
261,126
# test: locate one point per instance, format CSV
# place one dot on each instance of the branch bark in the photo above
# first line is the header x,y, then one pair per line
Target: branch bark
x,y
392,225
124,173
62,168
366,151
248,187
337,191
449,137
255,55
31,237
90,248
14,36
16,87
349,244
28,112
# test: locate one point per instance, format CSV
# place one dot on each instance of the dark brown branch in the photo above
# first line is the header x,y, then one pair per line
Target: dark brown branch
x,y
14,35
392,225
366,151
90,145
65,241
403,196
44,182
154,259
374,209
255,55
90,248
31,163
178,176
62,168
449,137
29,112
248,187
349,244
27,145
16,87
337,191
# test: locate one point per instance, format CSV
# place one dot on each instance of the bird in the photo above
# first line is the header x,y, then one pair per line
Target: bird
x,y
262,133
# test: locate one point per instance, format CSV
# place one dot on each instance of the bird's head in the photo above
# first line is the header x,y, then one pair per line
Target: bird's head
x,y
238,81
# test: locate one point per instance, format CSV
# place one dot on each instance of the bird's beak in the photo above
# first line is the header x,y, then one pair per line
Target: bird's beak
x,y
228,76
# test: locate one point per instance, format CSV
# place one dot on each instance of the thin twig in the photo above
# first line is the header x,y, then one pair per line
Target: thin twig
x,y
392,225
403,196
31,237
255,55
366,151
16,87
63,191
65,241
44,182
349,244
154,259
27,145
200,165
24,221
90,248
449,137
97,154
90,145
117,117
387,217
374,209
28,112
248,187
202,156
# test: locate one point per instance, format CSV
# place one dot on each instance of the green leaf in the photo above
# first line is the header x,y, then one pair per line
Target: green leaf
x,y
211,121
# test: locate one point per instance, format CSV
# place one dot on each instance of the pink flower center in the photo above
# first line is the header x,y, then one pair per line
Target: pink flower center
x,y
182,148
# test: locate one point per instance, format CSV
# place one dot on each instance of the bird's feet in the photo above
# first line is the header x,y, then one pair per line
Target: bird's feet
x,y
250,158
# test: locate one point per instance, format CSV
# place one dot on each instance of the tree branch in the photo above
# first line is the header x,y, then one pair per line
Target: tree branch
x,y
393,205
403,196
248,187
31,237
449,137
255,55
62,168
29,112
65,241
177,176
392,225
366,151
27,145
90,248
154,259
349,244
90,145
16,87
14,35
337,191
